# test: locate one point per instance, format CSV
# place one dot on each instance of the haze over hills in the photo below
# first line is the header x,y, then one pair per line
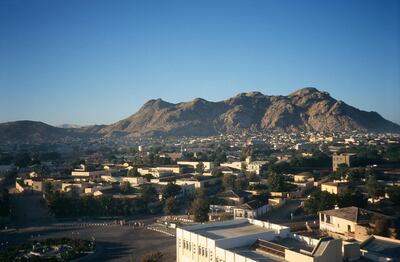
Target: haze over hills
x,y
307,109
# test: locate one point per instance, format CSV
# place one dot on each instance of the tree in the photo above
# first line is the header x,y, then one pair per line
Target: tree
x,y
149,194
246,152
243,167
280,167
276,182
170,206
352,199
132,151
394,194
47,187
148,177
340,172
6,159
4,203
373,188
171,190
319,200
22,160
242,183
200,209
133,172
354,176
200,168
392,153
125,187
219,156
228,181
217,172
154,257
381,226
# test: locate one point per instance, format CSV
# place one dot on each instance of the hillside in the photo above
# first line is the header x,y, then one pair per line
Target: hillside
x,y
306,109
36,132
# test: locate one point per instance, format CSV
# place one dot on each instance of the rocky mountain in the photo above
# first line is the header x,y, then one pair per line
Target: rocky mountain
x,y
306,109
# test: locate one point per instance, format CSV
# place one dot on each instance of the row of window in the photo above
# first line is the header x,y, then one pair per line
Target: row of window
x,y
202,251
326,218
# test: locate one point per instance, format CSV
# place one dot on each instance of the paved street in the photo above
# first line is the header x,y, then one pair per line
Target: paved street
x,y
283,213
115,242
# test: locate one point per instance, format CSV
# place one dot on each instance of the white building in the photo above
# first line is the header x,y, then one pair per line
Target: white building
x,y
251,209
207,165
133,181
250,240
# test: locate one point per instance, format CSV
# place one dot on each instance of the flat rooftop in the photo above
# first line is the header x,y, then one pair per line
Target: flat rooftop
x,y
387,247
292,244
230,231
255,255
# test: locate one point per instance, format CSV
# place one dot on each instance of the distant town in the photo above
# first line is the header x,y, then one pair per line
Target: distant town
x,y
301,196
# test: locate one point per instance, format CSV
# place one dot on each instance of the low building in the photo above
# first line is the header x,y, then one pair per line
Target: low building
x,y
276,202
96,174
207,165
198,181
334,188
350,222
250,240
256,167
251,209
133,181
234,165
376,248
174,169
158,171
77,187
302,177
341,159
233,196
35,184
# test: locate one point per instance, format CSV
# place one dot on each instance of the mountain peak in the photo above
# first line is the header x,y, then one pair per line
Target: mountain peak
x,y
250,94
199,100
156,103
305,91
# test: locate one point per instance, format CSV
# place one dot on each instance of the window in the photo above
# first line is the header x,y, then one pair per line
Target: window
x,y
328,219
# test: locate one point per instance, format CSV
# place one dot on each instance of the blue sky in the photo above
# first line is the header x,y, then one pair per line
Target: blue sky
x,y
87,62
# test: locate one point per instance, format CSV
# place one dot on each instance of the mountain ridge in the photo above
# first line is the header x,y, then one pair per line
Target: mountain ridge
x,y
306,109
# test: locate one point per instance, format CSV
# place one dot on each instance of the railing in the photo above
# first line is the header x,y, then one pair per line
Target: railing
x,y
269,247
